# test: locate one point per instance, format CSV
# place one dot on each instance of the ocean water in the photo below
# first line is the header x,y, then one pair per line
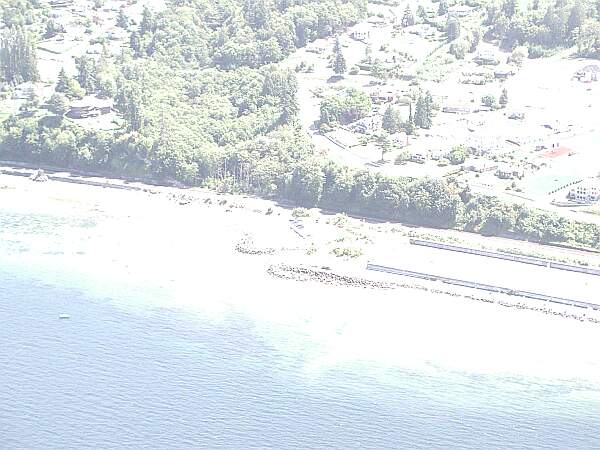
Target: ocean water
x,y
129,370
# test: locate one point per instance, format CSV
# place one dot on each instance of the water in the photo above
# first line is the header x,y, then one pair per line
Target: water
x,y
131,370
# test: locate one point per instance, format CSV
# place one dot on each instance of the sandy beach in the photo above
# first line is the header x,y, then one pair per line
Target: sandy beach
x,y
219,253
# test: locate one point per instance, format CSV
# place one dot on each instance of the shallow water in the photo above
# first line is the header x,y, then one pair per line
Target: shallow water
x,y
132,369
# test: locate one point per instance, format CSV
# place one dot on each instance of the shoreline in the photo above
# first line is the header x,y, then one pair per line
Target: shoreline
x,y
287,262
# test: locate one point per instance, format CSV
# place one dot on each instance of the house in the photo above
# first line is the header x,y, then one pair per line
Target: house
x,y
459,11
377,21
509,172
360,34
503,72
456,109
486,59
587,191
418,156
399,139
588,74
379,96
90,106
367,125
61,3
479,165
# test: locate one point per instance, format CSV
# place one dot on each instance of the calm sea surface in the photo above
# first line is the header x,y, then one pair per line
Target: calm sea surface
x,y
125,372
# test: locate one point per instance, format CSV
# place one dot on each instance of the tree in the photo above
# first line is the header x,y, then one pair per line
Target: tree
x,y
52,29
58,104
475,40
384,143
339,62
63,79
73,89
504,98
391,121
452,29
458,155
421,13
408,19
135,42
86,73
122,20
575,21
458,48
489,101
147,24
18,61
443,8
424,111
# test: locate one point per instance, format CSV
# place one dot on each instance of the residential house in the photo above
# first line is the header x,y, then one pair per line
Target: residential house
x,y
509,172
588,74
419,156
459,11
367,125
486,59
399,139
503,72
378,96
90,106
360,33
456,109
588,191
479,165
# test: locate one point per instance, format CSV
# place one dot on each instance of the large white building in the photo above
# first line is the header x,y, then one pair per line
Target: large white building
x,y
587,191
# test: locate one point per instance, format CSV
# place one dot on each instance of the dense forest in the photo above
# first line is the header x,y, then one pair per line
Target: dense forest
x,y
204,102
546,25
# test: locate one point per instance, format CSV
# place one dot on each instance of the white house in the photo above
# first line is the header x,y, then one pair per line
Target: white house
x,y
360,33
459,11
587,191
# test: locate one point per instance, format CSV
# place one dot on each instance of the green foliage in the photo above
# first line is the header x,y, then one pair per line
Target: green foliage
x,y
458,155
58,104
504,98
442,8
452,29
392,120
339,62
18,62
489,101
408,19
346,107
86,73
542,27
424,111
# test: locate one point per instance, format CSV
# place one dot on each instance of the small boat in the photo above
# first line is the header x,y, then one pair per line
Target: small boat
x,y
64,316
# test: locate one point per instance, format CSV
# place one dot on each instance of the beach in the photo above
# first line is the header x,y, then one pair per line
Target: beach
x,y
218,253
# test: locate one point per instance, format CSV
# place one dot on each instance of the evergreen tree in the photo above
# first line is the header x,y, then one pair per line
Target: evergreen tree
x,y
503,98
58,104
408,19
18,61
452,29
442,8
147,23
339,62
135,42
122,20
575,20
86,73
391,121
63,81
421,13
424,111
